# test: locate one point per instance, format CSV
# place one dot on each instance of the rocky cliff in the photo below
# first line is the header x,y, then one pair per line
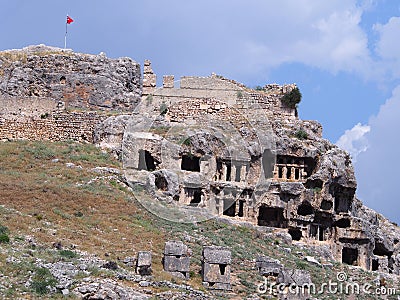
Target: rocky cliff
x,y
78,80
256,163
207,148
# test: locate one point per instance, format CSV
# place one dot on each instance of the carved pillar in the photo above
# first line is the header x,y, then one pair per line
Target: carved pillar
x,y
233,173
292,173
276,172
243,173
303,174
284,172
224,171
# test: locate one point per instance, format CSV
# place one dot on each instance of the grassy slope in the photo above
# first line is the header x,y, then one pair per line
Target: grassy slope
x,y
76,206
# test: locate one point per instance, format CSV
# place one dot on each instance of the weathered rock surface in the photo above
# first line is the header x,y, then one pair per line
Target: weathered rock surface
x,y
107,289
78,80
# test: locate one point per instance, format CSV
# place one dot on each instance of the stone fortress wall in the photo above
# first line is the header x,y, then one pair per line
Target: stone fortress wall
x,y
54,126
203,95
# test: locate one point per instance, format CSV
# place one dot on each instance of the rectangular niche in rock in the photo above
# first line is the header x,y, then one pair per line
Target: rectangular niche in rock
x,y
350,256
216,267
192,196
176,259
190,163
271,216
292,168
146,161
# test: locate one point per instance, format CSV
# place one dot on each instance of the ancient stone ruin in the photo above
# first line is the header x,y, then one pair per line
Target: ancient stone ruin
x,y
216,269
176,259
143,263
275,272
206,145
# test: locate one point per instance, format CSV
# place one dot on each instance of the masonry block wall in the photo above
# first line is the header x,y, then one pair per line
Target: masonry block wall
x,y
214,88
60,126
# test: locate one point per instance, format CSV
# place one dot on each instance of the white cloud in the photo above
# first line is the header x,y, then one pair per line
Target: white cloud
x,y
378,167
354,140
327,36
388,46
253,36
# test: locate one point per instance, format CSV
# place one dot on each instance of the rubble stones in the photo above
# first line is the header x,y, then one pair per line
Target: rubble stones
x,y
107,289
267,266
297,277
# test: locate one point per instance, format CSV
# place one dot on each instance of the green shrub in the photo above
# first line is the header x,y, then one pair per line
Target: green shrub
x,y
67,254
163,108
239,94
259,88
292,98
42,281
186,141
40,150
44,116
149,100
317,190
301,264
301,134
4,238
78,214
3,229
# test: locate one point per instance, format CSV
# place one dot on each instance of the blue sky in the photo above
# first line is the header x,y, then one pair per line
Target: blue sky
x,y
343,54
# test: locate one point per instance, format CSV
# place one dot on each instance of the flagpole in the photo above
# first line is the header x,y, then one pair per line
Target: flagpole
x,y
66,31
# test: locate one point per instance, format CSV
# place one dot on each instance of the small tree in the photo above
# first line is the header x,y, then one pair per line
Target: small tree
x,y
163,108
292,98
301,134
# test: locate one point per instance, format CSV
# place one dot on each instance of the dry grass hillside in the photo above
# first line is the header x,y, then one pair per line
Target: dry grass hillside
x,y
51,193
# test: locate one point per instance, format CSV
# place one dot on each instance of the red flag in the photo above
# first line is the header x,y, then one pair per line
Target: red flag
x,y
69,20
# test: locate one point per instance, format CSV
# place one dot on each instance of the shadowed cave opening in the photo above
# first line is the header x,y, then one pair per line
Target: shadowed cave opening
x,y
271,216
305,209
295,233
375,264
190,163
350,256
381,250
194,194
326,205
222,269
229,207
342,223
317,232
160,182
146,161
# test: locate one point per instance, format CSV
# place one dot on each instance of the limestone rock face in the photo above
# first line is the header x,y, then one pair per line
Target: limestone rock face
x,y
110,133
78,80
210,144
251,164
